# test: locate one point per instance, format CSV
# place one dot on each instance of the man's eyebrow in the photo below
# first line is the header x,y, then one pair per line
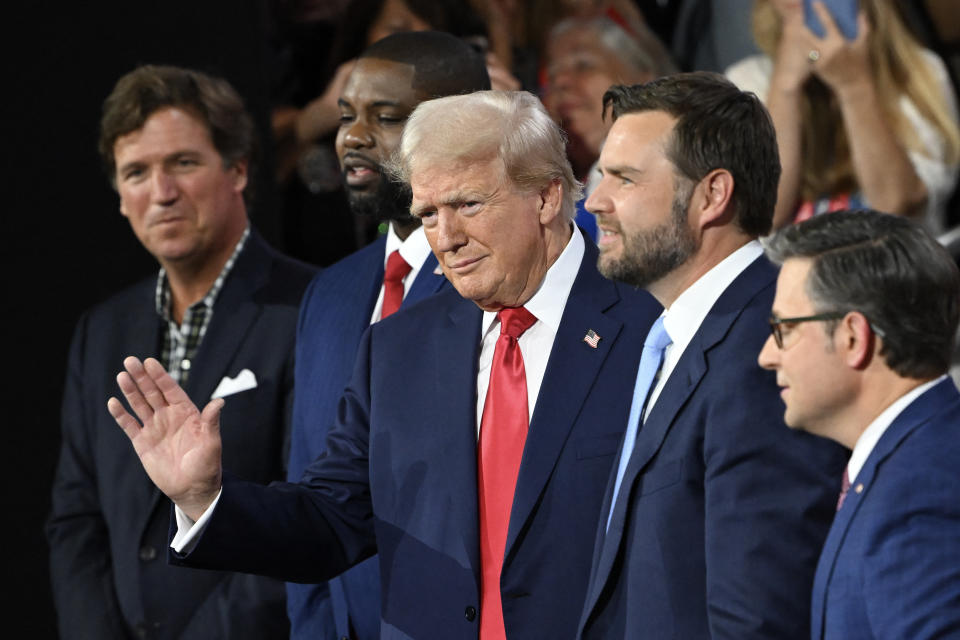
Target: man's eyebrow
x,y
378,104
619,170
447,199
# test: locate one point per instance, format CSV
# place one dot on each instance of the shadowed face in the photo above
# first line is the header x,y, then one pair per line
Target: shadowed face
x,y
580,71
183,204
376,101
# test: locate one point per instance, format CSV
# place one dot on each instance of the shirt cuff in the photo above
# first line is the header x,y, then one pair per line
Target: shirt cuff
x,y
188,531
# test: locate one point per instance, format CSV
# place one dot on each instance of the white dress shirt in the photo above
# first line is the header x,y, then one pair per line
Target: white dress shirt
x,y
872,434
683,319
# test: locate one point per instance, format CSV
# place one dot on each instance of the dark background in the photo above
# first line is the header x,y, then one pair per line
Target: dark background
x,y
70,246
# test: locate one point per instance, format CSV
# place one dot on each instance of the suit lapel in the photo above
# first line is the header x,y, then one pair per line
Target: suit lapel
x,y
234,313
455,350
570,374
427,282
916,414
684,379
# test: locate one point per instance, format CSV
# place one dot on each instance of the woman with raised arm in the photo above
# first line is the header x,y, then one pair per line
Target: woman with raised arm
x,y
863,119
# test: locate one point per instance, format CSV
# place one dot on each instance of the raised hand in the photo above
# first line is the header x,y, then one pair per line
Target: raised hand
x,y
842,63
178,445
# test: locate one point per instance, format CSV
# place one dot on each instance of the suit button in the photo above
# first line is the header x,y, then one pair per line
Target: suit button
x,y
148,553
470,613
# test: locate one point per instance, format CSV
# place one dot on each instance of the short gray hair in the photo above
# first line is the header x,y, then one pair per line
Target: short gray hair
x,y
890,270
642,50
512,126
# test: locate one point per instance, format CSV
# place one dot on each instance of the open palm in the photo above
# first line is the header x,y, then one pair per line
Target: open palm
x,y
178,445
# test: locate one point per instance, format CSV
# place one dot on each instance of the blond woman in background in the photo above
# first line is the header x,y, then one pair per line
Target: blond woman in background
x,y
870,121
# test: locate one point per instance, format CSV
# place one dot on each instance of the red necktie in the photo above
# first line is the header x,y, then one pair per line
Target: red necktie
x,y
397,269
844,487
503,432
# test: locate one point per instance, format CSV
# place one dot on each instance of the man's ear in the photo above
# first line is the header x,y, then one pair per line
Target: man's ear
x,y
856,340
551,198
239,169
710,202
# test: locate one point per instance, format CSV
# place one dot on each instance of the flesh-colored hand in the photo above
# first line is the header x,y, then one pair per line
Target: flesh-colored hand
x,y
178,445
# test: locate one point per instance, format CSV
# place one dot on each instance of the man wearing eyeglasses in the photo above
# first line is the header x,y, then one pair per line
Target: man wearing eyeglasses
x,y
715,512
863,326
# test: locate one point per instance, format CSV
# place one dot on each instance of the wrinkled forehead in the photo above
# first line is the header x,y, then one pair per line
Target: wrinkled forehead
x,y
374,80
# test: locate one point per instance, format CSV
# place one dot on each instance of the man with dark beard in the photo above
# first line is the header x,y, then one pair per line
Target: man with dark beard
x,y
388,81
716,512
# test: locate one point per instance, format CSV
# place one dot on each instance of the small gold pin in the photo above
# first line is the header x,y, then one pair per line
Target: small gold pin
x,y
859,488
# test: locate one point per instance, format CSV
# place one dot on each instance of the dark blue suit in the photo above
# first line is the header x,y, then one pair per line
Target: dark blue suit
x,y
723,509
399,477
108,525
891,565
335,312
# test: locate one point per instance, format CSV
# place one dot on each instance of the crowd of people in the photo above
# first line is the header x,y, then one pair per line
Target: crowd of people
x,y
550,382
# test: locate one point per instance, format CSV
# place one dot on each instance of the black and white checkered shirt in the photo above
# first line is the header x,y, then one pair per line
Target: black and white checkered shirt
x,y
180,343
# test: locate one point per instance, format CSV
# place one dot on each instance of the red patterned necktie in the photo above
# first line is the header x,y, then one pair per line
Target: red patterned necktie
x,y
844,487
397,269
503,432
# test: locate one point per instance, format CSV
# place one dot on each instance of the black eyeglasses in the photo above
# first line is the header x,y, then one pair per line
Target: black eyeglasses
x,y
777,332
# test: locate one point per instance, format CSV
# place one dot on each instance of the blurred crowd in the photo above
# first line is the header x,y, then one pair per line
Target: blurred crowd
x,y
871,122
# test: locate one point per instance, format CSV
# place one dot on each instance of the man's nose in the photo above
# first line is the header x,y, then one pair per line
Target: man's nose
x,y
164,187
450,235
769,356
598,201
357,135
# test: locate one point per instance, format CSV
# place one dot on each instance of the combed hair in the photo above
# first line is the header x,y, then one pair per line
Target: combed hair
x,y
149,88
512,126
900,69
889,269
717,127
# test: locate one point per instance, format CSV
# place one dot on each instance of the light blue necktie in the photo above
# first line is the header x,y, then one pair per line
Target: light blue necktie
x,y
657,340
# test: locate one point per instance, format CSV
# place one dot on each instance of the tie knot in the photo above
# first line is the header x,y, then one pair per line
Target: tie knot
x,y
514,321
658,338
397,268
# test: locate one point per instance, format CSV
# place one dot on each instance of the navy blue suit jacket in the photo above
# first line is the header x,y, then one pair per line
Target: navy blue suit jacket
x,y
723,509
108,525
399,474
891,565
335,312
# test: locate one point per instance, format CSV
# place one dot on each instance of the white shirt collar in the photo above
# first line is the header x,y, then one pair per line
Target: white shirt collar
x,y
414,249
875,430
684,317
550,299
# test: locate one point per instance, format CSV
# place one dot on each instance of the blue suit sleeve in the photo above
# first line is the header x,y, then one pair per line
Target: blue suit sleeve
x,y
911,556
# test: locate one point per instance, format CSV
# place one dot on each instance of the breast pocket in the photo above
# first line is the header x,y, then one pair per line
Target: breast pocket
x,y
661,476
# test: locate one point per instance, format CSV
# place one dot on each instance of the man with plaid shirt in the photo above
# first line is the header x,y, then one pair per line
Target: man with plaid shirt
x,y
221,316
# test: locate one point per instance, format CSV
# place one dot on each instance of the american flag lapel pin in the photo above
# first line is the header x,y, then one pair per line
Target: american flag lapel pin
x,y
591,338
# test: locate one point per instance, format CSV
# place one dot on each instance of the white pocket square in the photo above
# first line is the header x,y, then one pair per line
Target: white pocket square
x,y
228,386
